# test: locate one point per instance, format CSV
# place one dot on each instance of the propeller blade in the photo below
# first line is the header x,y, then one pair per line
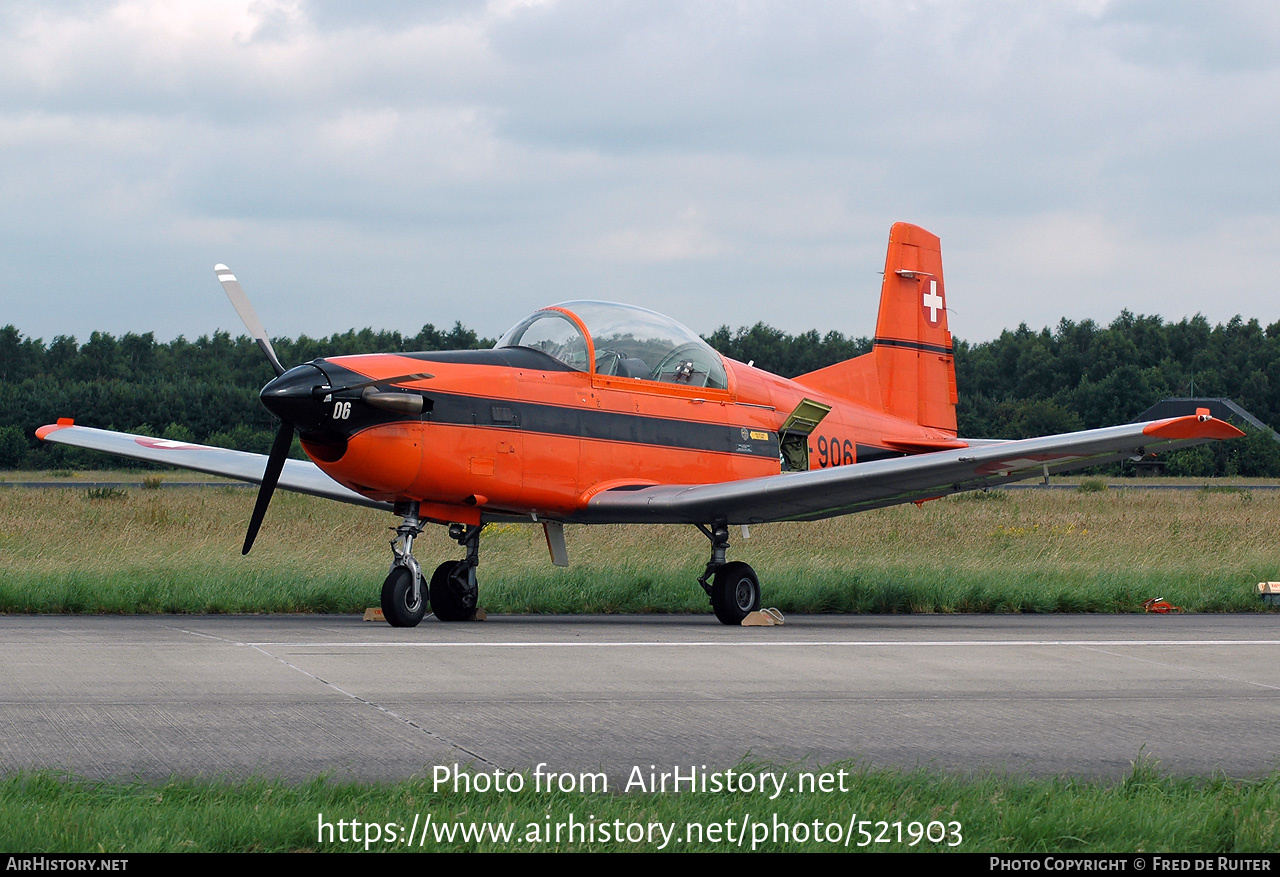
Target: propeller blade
x,y
321,392
275,464
248,315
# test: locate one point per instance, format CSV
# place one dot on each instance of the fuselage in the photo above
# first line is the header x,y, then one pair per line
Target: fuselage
x,y
513,430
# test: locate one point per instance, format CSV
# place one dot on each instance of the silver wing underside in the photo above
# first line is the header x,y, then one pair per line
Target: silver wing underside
x,y
825,493
300,476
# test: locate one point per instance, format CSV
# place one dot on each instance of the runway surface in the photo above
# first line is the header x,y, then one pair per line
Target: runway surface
x,y
299,696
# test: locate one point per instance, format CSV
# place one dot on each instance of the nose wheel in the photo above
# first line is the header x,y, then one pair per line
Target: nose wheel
x,y
402,603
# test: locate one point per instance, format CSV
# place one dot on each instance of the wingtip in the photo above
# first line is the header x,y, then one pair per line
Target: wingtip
x,y
1192,426
63,422
220,267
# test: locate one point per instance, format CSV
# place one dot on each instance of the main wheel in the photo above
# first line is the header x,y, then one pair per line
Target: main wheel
x,y
398,604
735,592
453,596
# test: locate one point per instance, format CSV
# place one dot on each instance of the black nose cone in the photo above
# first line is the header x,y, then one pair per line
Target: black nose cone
x,y
290,397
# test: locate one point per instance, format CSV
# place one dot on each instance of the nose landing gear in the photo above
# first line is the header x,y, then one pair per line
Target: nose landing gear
x,y
403,602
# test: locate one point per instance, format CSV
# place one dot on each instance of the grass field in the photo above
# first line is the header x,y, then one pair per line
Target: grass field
x,y
136,476
1145,812
67,550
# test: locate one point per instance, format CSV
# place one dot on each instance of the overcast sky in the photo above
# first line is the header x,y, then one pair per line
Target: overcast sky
x,y
390,164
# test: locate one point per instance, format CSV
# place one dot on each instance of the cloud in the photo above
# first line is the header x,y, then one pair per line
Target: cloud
x,y
392,163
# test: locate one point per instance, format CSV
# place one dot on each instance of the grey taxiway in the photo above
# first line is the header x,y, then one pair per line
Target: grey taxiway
x,y
300,696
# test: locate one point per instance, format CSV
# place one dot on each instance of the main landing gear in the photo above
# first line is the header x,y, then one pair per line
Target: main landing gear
x,y
732,586
452,591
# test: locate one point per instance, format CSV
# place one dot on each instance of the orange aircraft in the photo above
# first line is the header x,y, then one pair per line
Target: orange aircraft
x,y
591,412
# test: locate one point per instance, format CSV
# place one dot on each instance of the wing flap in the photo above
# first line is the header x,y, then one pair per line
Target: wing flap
x,y
841,490
299,476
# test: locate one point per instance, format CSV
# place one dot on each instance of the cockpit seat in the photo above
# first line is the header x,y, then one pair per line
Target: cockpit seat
x,y
631,367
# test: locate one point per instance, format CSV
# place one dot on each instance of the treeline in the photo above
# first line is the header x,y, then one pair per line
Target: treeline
x,y
202,391
1024,383
1083,375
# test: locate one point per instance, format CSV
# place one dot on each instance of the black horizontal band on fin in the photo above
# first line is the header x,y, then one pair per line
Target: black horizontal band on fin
x,y
913,345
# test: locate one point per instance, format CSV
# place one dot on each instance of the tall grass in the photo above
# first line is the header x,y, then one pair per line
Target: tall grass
x,y
1025,551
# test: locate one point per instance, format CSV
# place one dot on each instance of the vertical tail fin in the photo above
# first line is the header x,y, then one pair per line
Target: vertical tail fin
x,y
912,348
910,372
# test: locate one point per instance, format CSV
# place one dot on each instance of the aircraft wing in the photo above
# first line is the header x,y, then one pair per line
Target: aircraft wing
x,y
825,493
300,476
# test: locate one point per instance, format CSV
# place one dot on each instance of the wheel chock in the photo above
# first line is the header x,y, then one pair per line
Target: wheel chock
x,y
763,618
1160,605
480,615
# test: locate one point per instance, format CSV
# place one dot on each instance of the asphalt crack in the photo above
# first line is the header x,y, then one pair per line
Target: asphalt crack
x,y
405,720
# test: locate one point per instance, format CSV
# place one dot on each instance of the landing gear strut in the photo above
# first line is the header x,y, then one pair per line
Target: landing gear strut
x,y
403,602
732,586
454,592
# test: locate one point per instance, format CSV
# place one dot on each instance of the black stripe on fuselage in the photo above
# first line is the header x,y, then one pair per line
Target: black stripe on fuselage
x,y
913,345
867,453
590,423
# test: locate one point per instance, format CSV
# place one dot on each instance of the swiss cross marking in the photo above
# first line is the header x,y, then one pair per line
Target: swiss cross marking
x,y
933,302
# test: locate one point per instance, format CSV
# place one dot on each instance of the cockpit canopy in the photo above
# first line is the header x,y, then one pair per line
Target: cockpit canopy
x,y
619,340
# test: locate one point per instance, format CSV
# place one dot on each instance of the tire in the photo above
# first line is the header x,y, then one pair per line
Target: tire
x,y
453,597
735,592
398,606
